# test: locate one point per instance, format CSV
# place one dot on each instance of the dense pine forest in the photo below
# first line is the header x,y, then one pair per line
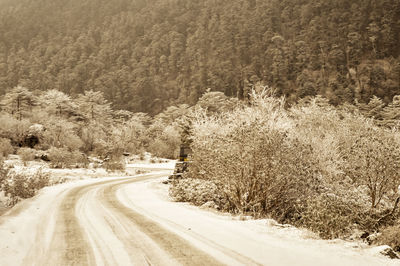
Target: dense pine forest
x,y
146,55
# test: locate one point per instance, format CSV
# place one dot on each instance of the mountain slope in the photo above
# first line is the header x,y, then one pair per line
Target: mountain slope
x,y
148,54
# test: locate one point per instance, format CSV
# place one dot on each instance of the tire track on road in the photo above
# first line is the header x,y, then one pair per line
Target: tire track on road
x,y
70,245
179,249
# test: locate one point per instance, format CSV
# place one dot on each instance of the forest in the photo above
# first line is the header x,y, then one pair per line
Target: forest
x,y
147,55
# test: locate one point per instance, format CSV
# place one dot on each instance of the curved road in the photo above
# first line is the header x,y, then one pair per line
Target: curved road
x,y
126,221
93,228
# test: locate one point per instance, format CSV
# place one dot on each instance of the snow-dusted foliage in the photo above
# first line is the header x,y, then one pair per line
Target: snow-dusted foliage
x,y
63,158
17,185
165,141
198,192
5,147
26,154
312,165
251,157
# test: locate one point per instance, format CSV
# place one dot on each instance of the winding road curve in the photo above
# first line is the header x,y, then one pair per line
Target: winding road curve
x,y
131,221
92,227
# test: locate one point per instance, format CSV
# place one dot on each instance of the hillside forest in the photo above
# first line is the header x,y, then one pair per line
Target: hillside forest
x,y
146,55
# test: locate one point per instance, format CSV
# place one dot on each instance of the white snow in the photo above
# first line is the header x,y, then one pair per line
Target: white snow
x,y
228,237
169,165
18,225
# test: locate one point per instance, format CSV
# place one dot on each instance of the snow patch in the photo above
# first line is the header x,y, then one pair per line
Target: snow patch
x,y
264,241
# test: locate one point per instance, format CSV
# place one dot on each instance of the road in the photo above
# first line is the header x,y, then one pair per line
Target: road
x,y
121,221
93,228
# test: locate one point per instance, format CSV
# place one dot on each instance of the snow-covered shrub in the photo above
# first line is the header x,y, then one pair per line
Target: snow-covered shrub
x,y
313,165
198,192
359,163
18,186
93,136
373,161
390,236
60,133
329,215
5,147
3,172
166,142
63,158
12,128
26,154
160,148
249,155
114,164
133,133
320,126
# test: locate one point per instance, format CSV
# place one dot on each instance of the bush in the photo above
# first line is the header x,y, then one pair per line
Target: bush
x,y
92,137
13,129
62,158
390,236
198,192
114,164
298,166
166,141
3,172
163,149
26,154
329,216
313,165
374,162
5,147
18,186
60,133
249,156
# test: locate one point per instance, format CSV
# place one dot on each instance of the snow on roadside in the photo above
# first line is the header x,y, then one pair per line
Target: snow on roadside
x,y
168,165
17,225
57,176
262,240
37,214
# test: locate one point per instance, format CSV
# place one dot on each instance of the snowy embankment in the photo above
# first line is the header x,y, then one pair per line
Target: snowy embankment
x,y
170,164
57,176
232,239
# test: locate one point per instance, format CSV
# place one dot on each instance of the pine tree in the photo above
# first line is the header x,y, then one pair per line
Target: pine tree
x,y
18,102
94,108
391,113
57,103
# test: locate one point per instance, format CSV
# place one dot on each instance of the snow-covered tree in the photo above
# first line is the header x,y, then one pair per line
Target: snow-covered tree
x,y
18,102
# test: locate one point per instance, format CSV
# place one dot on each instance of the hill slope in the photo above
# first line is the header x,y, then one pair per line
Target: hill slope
x,y
148,54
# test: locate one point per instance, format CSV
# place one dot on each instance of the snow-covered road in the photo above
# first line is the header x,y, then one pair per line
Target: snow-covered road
x,y
131,221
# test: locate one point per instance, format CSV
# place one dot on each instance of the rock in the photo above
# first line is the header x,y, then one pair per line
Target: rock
x,y
364,235
372,237
45,157
42,156
387,251
209,205
36,129
30,141
358,234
